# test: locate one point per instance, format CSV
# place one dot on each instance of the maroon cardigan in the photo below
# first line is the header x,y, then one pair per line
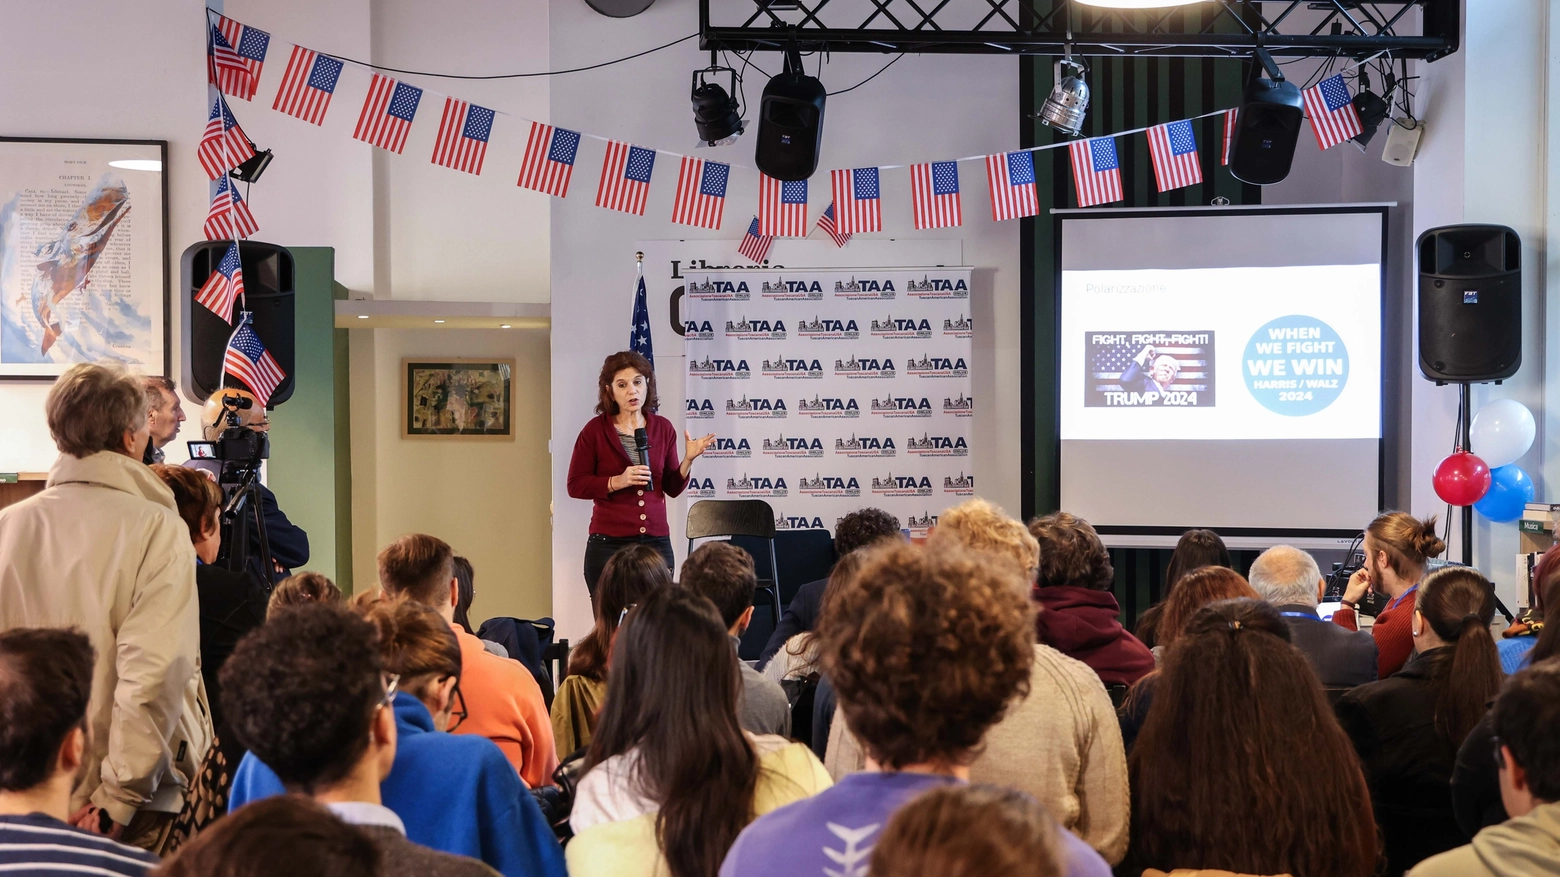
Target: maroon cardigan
x,y
598,455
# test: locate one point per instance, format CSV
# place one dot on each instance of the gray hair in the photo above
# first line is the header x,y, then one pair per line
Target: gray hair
x,y
91,407
1285,575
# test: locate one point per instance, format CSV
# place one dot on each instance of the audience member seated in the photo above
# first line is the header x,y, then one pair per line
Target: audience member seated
x,y
969,831
102,548
1194,550
671,776
1289,579
799,658
1059,742
503,700
629,576
927,648
1396,546
45,686
1079,614
1241,765
1527,749
300,588
857,529
308,694
453,793
1198,589
1519,638
723,574
466,585
1476,797
1407,728
287,836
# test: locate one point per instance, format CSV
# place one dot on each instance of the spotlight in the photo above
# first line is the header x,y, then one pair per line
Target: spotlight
x,y
716,112
250,171
1069,101
1373,111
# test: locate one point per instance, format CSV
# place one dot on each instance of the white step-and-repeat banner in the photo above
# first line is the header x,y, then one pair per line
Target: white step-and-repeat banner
x,y
831,390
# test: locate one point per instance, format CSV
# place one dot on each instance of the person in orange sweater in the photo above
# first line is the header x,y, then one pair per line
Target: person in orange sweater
x,y
503,701
1397,545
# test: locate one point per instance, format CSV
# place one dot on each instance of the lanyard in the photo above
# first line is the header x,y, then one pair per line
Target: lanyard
x,y
1310,615
1399,598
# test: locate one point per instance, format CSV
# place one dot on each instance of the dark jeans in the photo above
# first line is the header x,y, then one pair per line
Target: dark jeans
x,y
599,549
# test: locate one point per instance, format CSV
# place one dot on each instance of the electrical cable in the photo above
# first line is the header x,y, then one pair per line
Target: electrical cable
x,y
869,78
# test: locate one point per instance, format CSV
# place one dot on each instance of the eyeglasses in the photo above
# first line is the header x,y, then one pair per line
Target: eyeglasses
x,y
392,687
624,614
1500,760
458,714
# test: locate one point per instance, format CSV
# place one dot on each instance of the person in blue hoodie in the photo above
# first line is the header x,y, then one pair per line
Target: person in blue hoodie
x,y
456,793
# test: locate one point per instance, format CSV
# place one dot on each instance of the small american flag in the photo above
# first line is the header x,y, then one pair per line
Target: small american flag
x,y
754,245
782,207
625,177
1229,135
223,146
249,361
387,113
639,335
1331,110
1174,151
858,200
463,136
549,159
1096,170
831,228
248,46
701,192
224,286
229,217
1012,179
935,190
307,85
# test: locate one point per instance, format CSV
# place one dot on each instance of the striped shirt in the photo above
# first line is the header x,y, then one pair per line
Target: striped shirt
x,y
39,844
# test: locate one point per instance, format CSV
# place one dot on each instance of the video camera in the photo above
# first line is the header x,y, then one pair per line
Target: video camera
x,y
239,451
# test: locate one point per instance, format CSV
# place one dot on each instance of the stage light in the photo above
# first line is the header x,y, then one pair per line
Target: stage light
x,y
1138,4
716,112
1373,111
250,171
1069,101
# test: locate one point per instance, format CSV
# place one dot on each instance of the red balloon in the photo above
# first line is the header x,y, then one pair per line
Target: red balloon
x,y
1462,479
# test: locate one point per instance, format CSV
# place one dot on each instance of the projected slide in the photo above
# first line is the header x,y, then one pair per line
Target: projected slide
x,y
1282,352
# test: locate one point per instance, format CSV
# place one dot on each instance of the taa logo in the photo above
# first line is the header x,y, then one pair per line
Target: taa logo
x,y
834,328
719,368
725,447
755,406
793,445
829,486
719,290
792,368
754,329
938,367
819,406
701,486
698,330
938,446
902,403
894,327
756,485
938,287
902,485
785,522
699,409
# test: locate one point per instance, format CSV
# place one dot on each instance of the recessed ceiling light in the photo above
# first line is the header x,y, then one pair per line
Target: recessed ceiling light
x,y
1138,4
438,321
362,316
137,164
504,326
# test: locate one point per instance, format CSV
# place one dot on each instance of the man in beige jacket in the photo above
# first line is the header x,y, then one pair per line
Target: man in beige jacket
x,y
103,549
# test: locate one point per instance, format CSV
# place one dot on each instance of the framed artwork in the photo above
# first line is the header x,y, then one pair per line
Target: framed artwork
x,y
83,255
458,398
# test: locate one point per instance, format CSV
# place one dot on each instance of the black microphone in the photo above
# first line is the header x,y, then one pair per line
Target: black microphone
x,y
642,444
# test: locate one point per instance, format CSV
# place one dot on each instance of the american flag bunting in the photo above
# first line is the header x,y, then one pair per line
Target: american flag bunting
x,y
307,85
1012,179
1096,170
755,246
223,146
238,57
831,227
1173,149
934,188
625,177
224,286
1229,135
858,200
701,192
249,361
229,217
1330,108
463,136
549,159
387,113
782,207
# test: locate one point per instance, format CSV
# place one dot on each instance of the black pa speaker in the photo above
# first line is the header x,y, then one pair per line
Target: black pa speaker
x,y
1470,303
1267,126
790,123
268,295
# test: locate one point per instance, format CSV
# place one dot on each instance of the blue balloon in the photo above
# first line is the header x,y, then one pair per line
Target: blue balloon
x,y
1510,490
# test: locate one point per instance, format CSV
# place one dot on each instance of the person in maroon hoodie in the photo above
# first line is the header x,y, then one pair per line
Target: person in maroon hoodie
x,y
1079,613
628,479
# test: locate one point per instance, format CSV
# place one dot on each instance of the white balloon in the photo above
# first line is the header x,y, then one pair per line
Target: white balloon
x,y
1502,432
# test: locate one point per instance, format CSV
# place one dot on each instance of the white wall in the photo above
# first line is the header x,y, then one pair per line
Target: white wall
x,y
924,108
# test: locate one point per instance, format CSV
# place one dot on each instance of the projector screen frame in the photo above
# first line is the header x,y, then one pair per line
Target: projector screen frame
x,y
1029,376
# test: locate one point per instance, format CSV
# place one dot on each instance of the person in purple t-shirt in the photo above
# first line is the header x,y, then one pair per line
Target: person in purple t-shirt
x,y
926,651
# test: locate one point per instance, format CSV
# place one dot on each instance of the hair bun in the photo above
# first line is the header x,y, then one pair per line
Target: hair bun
x,y
1428,543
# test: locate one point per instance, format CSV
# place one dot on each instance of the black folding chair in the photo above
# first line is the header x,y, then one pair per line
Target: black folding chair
x,y
742,517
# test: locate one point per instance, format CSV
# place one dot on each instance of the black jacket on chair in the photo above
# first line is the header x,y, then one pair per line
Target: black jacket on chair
x,y
1407,763
1341,658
